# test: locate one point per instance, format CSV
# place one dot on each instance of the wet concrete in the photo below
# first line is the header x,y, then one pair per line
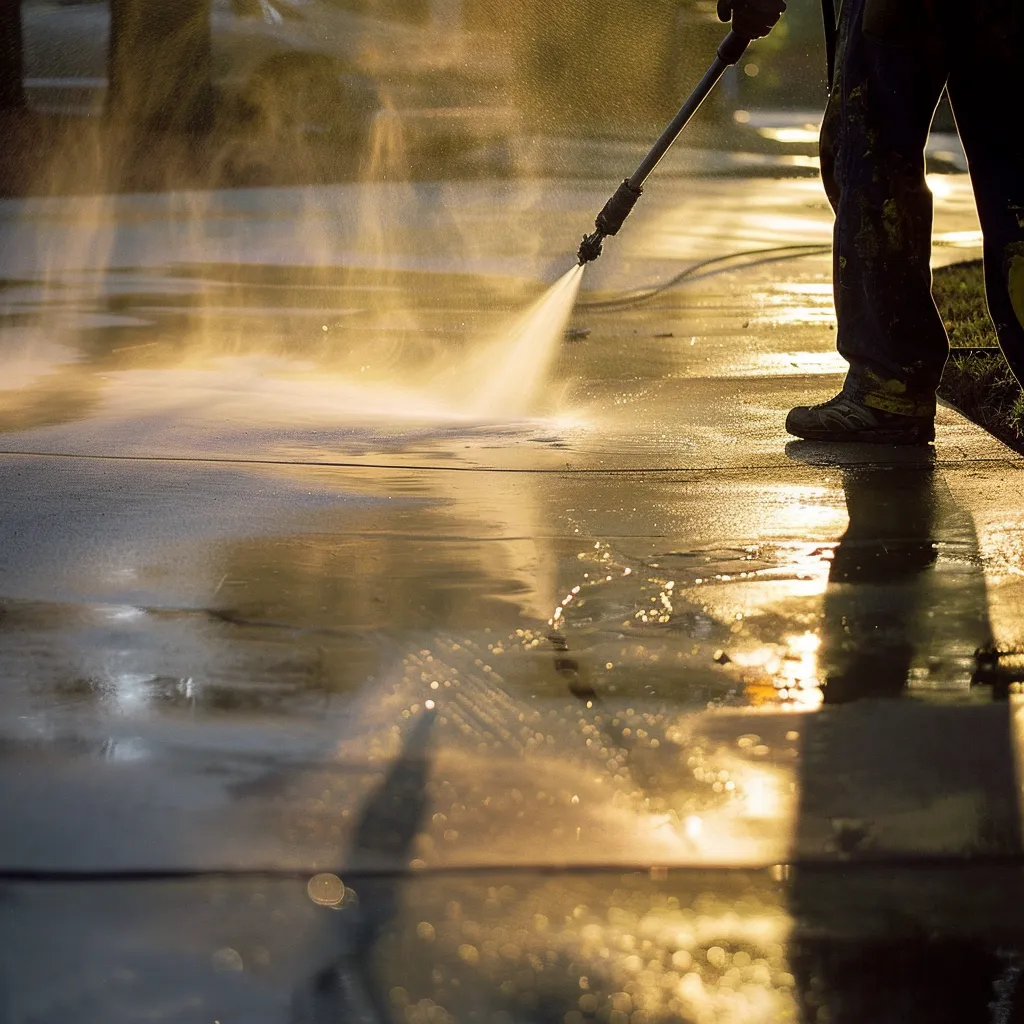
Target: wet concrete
x,y
626,710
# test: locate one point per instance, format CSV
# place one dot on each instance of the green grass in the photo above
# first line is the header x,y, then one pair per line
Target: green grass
x,y
980,386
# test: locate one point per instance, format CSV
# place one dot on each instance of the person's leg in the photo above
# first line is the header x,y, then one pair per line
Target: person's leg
x,y
873,140
985,89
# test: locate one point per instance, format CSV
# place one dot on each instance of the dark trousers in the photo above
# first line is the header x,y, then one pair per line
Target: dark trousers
x,y
889,78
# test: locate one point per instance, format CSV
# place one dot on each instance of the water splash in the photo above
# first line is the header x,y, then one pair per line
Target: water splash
x,y
506,376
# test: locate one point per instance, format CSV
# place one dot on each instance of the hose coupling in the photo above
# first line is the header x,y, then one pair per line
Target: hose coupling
x,y
609,220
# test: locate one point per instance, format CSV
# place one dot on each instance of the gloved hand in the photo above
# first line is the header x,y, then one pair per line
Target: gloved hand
x,y
751,19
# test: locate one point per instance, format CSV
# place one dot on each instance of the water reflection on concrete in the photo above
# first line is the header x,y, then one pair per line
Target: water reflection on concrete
x,y
621,712
904,578
694,947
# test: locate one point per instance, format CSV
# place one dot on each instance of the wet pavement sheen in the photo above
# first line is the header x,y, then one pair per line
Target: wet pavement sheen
x,y
628,710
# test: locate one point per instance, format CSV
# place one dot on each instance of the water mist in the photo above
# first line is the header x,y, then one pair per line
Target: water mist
x,y
506,377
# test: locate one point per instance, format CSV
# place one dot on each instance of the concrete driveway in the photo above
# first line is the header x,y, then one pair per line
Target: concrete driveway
x,y
326,699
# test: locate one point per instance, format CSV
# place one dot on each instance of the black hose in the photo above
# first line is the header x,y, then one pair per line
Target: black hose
x,y
773,254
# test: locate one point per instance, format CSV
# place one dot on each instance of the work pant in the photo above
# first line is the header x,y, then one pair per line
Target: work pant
x,y
889,78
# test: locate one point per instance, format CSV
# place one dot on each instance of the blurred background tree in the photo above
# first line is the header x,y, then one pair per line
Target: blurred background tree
x,y
12,93
592,68
160,67
786,70
487,72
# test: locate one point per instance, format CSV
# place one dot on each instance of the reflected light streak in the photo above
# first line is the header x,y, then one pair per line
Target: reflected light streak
x,y
808,134
786,673
747,813
789,160
131,690
797,303
959,239
940,185
788,363
763,798
120,612
809,513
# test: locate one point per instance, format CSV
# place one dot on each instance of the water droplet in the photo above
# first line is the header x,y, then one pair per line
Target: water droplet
x,y
326,889
227,959
716,956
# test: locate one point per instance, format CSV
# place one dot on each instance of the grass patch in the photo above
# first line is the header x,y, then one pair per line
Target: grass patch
x,y
980,386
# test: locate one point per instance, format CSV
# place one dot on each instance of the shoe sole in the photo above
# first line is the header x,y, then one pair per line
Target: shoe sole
x,y
919,436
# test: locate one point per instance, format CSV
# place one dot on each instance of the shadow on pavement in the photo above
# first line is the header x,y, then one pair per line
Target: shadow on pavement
x,y
889,784
877,584
345,989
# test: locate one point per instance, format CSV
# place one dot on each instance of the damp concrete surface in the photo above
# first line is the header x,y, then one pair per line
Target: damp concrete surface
x,y
326,699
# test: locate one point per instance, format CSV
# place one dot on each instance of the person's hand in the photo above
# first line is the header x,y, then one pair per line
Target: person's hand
x,y
751,19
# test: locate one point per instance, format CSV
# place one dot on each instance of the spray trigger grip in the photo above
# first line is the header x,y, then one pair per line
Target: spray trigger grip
x,y
618,208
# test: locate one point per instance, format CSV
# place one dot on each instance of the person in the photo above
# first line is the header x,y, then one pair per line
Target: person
x,y
893,60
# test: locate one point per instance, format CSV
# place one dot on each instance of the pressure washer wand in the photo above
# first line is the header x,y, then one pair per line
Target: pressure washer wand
x,y
618,208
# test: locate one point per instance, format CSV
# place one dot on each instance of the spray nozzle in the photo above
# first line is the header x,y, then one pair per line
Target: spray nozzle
x,y
590,248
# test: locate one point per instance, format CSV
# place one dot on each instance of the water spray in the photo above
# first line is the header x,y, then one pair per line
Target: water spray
x,y
506,376
621,204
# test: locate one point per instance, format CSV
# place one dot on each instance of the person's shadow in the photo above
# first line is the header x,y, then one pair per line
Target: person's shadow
x,y
897,618
879,582
344,987
903,767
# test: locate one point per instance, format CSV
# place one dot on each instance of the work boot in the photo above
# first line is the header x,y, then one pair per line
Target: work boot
x,y
844,419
